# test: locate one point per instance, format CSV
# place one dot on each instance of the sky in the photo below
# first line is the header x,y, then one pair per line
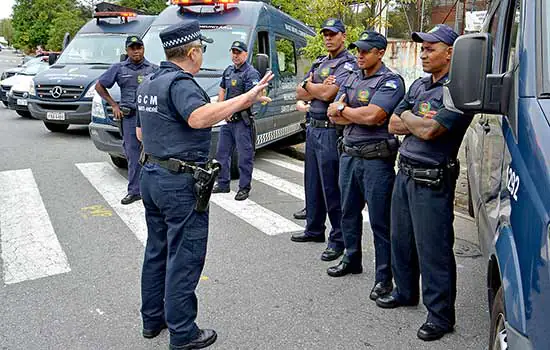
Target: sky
x,y
5,8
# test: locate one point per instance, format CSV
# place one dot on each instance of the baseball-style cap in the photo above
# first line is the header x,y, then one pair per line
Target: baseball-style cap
x,y
133,40
239,45
182,33
370,39
334,25
440,33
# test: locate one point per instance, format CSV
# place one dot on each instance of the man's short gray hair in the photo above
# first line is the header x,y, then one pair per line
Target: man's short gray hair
x,y
181,52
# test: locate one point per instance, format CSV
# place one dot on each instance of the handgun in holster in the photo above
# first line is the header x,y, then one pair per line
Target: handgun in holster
x,y
204,182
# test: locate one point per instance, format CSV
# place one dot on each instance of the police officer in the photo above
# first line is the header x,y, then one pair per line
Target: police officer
x,y
364,104
422,200
237,79
175,116
321,160
128,75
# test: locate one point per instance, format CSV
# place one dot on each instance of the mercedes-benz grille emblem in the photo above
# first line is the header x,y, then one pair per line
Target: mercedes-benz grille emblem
x,y
57,91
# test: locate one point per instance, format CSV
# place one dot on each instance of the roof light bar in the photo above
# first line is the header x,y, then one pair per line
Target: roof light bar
x,y
203,2
110,14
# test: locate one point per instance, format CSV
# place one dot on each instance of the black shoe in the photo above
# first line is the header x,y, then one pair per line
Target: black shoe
x,y
149,334
130,198
331,254
300,215
302,237
391,302
343,269
430,331
218,189
206,338
242,194
380,289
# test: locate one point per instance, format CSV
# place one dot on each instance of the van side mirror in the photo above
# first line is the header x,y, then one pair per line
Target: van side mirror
x,y
52,58
470,88
66,40
123,57
262,63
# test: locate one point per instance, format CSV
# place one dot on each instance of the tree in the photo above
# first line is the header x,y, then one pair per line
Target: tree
x,y
152,7
67,21
6,30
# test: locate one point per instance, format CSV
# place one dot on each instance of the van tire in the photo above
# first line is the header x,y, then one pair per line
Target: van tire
x,y
497,337
119,162
24,114
53,127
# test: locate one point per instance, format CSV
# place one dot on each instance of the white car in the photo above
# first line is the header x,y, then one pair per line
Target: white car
x,y
18,87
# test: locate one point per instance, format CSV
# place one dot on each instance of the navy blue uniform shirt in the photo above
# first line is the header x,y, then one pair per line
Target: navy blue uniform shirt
x,y
128,76
341,67
424,96
384,89
165,101
237,81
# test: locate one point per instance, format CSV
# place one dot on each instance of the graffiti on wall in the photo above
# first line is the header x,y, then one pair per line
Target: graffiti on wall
x,y
403,57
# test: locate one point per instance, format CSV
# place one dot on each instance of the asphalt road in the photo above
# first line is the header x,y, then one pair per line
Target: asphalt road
x,y
79,289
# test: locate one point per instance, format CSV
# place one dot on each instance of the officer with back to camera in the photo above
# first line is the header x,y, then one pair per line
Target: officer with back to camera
x,y
128,75
423,195
175,118
238,132
364,104
321,160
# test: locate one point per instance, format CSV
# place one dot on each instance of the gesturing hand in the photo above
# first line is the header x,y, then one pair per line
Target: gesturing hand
x,y
258,93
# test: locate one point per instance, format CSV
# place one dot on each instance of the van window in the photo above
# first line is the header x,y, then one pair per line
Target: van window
x,y
261,45
286,56
512,45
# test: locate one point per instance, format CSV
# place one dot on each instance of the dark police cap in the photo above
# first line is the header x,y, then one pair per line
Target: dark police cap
x,y
368,40
440,33
334,25
133,40
181,34
239,45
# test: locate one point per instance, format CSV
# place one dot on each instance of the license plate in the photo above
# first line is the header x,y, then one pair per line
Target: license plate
x,y
55,115
21,102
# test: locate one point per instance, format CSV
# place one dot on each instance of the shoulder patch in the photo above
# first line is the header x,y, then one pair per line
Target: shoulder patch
x,y
391,84
349,66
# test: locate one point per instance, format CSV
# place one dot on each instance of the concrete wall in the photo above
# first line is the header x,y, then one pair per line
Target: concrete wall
x,y
403,57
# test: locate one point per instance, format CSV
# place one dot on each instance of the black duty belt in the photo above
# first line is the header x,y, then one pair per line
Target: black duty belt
x,y
240,116
172,164
316,123
431,176
382,149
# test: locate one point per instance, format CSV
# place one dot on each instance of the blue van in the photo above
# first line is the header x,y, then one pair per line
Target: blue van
x,y
63,93
508,155
275,40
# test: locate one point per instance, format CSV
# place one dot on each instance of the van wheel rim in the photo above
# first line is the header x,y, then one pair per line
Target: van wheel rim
x,y
501,341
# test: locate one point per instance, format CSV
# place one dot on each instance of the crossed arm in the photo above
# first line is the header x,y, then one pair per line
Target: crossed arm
x,y
326,91
425,128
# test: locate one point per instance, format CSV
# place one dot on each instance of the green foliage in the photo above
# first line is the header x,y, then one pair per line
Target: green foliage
x,y
6,30
66,21
153,7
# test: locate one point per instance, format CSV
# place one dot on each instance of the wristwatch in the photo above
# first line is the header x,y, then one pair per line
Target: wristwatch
x,y
340,107
304,84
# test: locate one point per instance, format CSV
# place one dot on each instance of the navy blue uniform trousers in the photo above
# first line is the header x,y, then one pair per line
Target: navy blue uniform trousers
x,y
174,255
132,149
422,243
371,181
321,185
235,134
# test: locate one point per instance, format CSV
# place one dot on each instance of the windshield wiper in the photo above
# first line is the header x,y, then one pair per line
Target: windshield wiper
x,y
103,63
210,69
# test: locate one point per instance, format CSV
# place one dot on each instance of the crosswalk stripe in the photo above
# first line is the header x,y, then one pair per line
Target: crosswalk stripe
x,y
261,218
286,165
288,187
112,186
30,248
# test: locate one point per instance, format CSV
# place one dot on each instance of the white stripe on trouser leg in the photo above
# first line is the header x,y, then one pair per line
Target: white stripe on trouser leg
x,y
113,187
30,248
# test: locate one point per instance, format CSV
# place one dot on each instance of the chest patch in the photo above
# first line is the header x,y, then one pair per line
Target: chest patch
x,y
325,72
140,79
363,95
424,108
234,82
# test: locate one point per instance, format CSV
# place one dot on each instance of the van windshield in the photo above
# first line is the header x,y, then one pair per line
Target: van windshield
x,y
217,55
94,49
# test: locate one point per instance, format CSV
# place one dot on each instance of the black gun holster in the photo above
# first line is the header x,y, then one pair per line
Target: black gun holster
x,y
204,182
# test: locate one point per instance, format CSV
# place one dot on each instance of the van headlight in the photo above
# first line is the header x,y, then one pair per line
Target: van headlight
x,y
90,92
32,90
97,106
